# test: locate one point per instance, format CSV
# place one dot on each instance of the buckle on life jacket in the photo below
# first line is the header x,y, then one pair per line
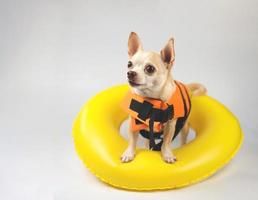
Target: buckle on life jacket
x,y
156,136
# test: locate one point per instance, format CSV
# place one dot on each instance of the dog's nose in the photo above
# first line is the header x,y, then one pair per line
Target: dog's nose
x,y
131,75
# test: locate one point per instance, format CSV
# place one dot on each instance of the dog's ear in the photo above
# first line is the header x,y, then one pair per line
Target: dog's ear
x,y
168,53
134,44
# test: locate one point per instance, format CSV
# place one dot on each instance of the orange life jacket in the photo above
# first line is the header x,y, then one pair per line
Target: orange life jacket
x,y
151,114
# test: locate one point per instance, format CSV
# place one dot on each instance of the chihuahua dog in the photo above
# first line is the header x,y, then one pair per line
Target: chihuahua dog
x,y
149,75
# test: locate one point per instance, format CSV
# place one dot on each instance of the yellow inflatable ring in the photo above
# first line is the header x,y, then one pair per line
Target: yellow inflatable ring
x,y
99,144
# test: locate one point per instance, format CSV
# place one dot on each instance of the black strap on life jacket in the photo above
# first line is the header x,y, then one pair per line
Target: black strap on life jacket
x,y
189,100
145,110
181,121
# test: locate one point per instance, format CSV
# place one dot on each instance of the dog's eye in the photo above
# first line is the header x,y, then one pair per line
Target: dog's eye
x,y
149,69
130,64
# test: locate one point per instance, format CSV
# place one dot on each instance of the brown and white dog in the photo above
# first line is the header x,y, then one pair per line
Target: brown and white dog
x,y
149,75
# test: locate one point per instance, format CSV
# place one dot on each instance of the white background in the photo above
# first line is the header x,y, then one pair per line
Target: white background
x,y
54,55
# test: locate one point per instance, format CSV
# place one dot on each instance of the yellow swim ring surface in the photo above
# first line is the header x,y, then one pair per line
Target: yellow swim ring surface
x,y
100,145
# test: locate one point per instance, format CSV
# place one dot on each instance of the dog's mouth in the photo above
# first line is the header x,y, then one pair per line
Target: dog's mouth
x,y
134,84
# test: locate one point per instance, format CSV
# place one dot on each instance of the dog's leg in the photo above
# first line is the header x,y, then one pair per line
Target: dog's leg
x,y
146,143
184,133
166,151
129,153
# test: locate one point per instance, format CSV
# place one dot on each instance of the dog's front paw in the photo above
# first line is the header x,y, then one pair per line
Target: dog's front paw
x,y
168,156
127,156
170,159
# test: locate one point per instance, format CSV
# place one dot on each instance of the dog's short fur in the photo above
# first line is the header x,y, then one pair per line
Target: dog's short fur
x,y
149,75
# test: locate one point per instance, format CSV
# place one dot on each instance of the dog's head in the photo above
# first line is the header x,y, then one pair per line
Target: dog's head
x,y
148,71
